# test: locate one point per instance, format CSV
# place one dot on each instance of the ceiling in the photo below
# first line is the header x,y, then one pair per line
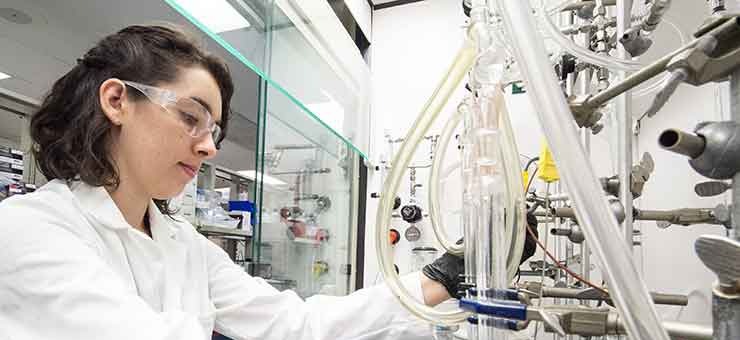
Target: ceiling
x,y
39,52
379,2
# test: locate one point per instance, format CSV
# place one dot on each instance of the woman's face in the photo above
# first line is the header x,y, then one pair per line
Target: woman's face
x,y
153,149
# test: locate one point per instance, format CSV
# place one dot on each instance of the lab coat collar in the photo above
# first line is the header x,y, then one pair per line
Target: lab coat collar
x,y
162,226
97,203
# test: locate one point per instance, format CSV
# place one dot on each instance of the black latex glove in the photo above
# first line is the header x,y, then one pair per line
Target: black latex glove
x,y
530,244
449,270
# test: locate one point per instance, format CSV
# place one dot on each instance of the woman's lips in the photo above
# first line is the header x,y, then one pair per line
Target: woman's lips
x,y
189,170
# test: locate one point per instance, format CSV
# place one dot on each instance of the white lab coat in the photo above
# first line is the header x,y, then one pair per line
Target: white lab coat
x,y
71,268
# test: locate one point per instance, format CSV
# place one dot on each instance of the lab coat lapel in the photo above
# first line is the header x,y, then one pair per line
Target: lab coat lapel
x,y
97,203
165,234
146,260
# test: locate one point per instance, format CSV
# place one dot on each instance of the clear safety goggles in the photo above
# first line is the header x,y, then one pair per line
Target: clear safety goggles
x,y
195,118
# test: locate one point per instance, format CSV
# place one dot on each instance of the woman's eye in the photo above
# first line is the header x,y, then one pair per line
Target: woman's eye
x,y
188,118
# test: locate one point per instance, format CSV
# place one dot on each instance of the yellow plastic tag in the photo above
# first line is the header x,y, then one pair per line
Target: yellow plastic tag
x,y
547,172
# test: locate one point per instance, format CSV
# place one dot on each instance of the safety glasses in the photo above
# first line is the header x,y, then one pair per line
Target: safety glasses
x,y
195,119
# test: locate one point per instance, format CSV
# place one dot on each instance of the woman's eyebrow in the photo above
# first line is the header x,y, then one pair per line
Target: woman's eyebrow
x,y
202,102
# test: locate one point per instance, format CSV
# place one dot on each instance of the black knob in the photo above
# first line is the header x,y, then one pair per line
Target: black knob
x,y
374,195
396,203
411,213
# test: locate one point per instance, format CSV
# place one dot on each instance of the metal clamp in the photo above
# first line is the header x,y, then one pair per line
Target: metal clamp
x,y
513,311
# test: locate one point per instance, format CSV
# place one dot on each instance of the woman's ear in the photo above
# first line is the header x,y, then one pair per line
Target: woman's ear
x,y
112,100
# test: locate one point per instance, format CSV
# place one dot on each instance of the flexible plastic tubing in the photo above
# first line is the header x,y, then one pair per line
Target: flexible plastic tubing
x,y
581,52
434,204
592,209
456,72
448,171
516,220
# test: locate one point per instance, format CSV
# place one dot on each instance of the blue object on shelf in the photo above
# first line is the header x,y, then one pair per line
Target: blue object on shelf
x,y
501,309
243,206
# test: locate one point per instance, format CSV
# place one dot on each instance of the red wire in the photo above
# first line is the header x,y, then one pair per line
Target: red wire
x,y
557,263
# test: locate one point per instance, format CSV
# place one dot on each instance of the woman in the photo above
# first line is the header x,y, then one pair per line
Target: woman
x,y
94,253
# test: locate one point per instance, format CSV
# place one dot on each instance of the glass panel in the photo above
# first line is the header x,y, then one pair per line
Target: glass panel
x,y
271,44
305,203
303,232
307,59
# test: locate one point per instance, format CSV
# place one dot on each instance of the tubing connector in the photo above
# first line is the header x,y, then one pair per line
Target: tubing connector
x,y
713,148
585,114
574,233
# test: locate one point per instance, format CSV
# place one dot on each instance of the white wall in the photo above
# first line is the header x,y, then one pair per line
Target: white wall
x,y
412,46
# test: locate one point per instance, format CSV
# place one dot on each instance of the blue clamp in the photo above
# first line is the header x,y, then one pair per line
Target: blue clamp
x,y
496,323
501,294
501,309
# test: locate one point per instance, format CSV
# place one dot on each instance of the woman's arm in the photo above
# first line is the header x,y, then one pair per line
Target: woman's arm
x,y
433,291
249,308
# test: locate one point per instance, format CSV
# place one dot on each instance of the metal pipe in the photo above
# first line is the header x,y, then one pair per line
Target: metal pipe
x,y
624,128
685,216
569,212
636,78
670,299
687,144
560,231
682,330
586,140
725,315
590,294
557,197
735,116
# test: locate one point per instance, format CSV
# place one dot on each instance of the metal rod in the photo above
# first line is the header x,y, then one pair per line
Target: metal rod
x,y
687,144
735,116
588,294
682,330
586,140
624,128
636,78
670,299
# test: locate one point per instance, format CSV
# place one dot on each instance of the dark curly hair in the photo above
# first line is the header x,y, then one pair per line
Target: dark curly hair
x,y
71,134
